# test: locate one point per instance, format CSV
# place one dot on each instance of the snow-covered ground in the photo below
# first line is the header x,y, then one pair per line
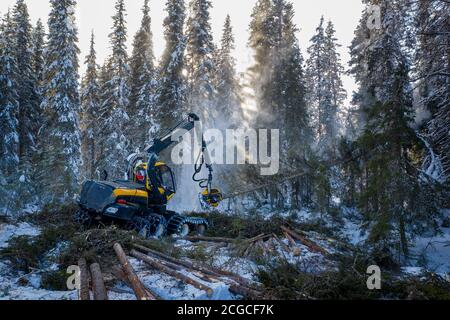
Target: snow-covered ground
x,y
9,231
20,286
436,250
10,287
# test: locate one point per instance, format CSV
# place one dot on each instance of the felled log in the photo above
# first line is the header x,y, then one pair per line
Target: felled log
x,y
257,238
161,267
83,292
98,283
314,247
133,279
208,239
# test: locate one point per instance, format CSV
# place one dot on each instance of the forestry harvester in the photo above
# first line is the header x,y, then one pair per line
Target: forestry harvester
x,y
140,203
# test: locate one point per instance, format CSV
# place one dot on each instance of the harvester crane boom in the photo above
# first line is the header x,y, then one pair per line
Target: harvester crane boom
x,y
210,196
162,143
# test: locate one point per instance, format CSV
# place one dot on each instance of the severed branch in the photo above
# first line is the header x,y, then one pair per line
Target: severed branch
x,y
310,244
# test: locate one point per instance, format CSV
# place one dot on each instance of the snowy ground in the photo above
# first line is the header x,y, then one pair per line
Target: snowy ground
x,y
434,250
12,284
9,231
22,286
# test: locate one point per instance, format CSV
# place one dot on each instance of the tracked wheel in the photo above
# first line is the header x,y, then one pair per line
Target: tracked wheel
x,y
181,225
177,225
157,224
148,227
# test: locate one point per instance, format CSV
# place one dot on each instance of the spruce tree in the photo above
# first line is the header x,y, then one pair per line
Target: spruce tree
x,y
171,92
391,196
117,123
263,41
296,131
200,60
105,110
143,82
325,88
38,64
90,107
277,80
335,70
228,90
28,99
60,134
432,70
38,37
9,104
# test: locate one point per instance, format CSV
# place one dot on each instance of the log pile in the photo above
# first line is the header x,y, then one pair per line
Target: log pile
x,y
164,263
171,272
190,272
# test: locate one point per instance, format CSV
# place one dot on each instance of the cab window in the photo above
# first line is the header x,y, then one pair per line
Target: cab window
x,y
166,178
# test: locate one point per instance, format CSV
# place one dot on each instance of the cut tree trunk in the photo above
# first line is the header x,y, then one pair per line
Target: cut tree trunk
x,y
314,247
136,284
98,283
257,238
83,292
161,267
